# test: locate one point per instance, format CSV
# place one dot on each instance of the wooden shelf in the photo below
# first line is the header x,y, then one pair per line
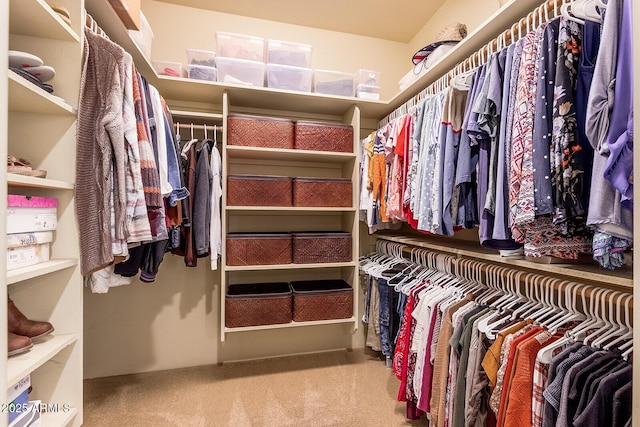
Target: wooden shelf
x,y
196,115
242,152
292,325
29,98
58,419
285,209
288,266
36,19
182,89
42,351
25,273
591,272
15,180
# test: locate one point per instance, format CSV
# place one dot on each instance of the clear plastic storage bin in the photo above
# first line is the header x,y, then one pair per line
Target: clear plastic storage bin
x,y
240,71
289,78
334,83
289,53
168,68
368,77
368,91
201,72
144,37
240,46
201,57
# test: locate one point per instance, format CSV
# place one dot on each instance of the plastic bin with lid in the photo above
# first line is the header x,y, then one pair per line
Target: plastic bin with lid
x,y
201,72
333,83
288,53
240,46
368,77
168,68
144,37
367,91
240,71
287,77
201,57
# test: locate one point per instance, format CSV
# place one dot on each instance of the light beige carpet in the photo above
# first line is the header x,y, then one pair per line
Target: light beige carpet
x,y
339,388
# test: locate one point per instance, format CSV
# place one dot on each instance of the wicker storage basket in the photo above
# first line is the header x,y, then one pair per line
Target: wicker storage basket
x,y
258,248
323,137
322,192
259,131
259,190
322,300
312,248
258,304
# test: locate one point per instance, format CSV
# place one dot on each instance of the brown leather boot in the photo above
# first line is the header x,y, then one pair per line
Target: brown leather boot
x,y
18,344
20,325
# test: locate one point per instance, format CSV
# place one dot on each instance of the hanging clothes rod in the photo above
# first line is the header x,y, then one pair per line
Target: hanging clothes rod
x,y
91,24
546,12
190,126
486,272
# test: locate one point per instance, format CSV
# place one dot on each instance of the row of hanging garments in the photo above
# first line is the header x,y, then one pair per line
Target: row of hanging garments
x,y
530,147
138,195
472,349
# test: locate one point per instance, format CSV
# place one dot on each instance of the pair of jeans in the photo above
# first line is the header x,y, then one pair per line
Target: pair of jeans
x,y
389,319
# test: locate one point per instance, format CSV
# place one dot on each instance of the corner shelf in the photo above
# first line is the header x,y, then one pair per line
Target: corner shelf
x,y
15,180
35,18
42,351
579,272
25,273
294,325
27,97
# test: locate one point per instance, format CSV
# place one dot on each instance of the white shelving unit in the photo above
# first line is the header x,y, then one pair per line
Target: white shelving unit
x,y
41,128
290,162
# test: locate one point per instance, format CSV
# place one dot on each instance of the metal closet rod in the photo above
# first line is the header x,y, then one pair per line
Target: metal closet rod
x,y
190,126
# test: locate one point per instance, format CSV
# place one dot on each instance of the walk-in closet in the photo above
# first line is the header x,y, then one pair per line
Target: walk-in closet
x,y
332,214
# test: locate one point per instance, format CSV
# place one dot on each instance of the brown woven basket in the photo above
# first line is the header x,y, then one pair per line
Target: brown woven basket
x,y
259,131
259,190
258,248
323,137
312,248
321,300
322,192
258,304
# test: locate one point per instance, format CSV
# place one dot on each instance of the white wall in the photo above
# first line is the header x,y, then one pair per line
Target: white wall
x,y
178,27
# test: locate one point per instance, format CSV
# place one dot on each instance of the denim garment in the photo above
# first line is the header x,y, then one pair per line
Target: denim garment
x,y
389,320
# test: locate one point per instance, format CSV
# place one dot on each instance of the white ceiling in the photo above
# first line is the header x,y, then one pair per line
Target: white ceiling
x,y
396,20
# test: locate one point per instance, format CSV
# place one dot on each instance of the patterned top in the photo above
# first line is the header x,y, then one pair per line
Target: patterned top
x,y
567,159
522,127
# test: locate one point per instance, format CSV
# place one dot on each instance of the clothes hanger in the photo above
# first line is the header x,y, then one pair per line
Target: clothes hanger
x,y
565,10
550,307
597,321
619,328
586,10
565,302
546,353
590,313
606,324
572,311
628,327
483,324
